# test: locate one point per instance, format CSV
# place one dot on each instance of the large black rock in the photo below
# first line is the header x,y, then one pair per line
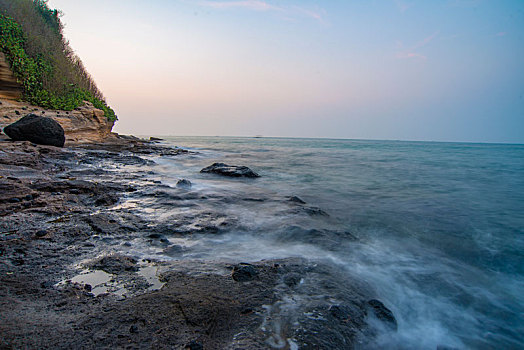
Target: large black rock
x,y
37,129
229,170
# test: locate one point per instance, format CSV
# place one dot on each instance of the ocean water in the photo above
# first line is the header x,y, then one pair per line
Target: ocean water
x,y
437,229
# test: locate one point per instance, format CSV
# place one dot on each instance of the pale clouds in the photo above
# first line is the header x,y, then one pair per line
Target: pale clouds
x,y
288,12
248,4
411,55
413,51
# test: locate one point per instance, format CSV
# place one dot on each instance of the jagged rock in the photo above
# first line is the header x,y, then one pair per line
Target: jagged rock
x,y
229,170
39,130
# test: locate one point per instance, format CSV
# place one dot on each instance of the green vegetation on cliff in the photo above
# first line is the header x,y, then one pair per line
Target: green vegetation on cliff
x,y
51,74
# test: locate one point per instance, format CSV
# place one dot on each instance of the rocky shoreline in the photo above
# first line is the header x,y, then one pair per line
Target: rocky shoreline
x,y
62,287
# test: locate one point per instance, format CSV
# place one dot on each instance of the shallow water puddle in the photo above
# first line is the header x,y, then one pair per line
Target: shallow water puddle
x,y
94,278
97,279
150,274
102,282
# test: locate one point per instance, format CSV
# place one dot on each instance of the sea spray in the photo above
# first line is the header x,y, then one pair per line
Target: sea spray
x,y
435,229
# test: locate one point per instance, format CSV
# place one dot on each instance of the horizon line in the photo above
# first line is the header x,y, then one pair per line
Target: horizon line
x,y
333,138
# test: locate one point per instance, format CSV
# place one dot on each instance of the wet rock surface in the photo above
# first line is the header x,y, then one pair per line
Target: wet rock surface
x,y
383,313
230,170
71,215
115,264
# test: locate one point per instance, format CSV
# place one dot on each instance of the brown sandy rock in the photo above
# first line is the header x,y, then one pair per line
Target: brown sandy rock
x,y
84,124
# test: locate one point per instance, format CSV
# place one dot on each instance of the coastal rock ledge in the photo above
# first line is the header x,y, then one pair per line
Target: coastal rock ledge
x,y
84,124
229,170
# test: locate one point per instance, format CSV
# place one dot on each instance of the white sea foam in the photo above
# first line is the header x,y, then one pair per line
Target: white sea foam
x,y
439,235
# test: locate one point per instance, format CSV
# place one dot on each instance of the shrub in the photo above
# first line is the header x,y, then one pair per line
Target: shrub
x,y
51,74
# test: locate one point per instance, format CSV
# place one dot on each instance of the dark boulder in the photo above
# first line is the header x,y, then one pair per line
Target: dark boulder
x,y
244,272
229,170
383,313
39,130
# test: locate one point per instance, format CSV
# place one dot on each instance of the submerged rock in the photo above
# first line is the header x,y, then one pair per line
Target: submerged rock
x,y
183,183
230,170
39,130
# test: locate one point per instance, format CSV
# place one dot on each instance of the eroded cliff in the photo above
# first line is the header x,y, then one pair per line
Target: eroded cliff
x,y
84,124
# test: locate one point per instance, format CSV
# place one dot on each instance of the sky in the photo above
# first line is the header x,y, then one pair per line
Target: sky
x,y
440,70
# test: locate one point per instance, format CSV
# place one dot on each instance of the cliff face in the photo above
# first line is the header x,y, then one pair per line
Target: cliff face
x,y
84,124
9,86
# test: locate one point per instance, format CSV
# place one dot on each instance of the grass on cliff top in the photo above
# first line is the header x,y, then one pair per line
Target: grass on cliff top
x,y
52,75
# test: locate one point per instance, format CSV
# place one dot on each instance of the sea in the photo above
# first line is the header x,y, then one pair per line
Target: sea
x,y
436,229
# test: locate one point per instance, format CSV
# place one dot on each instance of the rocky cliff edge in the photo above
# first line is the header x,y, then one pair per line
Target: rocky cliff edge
x,y
82,125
